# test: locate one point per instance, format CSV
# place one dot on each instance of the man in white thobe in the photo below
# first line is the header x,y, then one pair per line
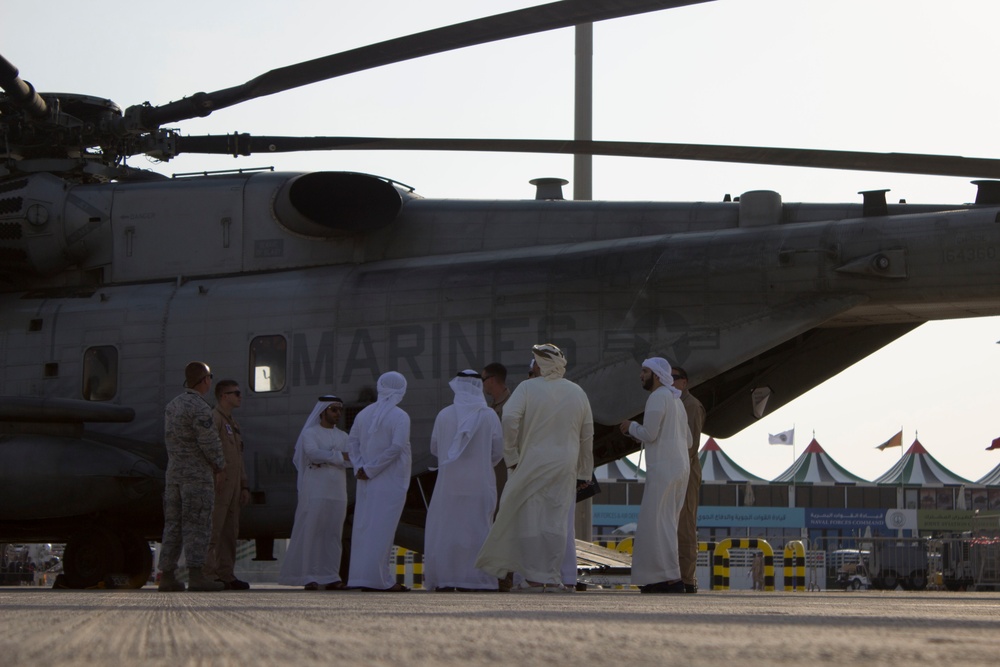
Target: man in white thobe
x,y
548,434
314,552
380,451
666,436
468,442
569,564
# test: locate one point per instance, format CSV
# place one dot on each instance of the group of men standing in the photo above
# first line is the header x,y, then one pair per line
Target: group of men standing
x,y
546,433
206,484
542,432
378,449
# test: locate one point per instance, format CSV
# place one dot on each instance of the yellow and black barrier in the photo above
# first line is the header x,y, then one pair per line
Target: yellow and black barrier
x,y
795,566
409,568
720,561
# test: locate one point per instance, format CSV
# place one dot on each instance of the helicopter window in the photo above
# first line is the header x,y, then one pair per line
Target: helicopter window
x,y
100,373
268,358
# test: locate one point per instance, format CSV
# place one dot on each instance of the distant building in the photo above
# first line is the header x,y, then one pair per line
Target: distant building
x,y
815,499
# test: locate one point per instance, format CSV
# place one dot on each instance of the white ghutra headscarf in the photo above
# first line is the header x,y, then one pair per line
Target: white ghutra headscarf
x,y
550,359
322,403
469,400
391,388
661,369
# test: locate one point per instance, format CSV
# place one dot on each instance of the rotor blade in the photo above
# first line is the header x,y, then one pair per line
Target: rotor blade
x,y
899,163
20,91
479,31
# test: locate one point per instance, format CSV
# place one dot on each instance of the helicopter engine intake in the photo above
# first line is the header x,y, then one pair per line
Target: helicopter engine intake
x,y
325,204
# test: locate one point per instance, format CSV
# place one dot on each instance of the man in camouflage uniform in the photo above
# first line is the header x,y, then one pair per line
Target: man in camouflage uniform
x,y
194,456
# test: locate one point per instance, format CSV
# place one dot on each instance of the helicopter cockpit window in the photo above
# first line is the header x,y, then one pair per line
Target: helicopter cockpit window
x,y
100,373
268,359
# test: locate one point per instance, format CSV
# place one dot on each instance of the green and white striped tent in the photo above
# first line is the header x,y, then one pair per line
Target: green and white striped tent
x,y
918,468
718,468
619,470
815,466
992,478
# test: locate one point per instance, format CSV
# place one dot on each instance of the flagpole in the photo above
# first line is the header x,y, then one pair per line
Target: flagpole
x,y
902,476
793,443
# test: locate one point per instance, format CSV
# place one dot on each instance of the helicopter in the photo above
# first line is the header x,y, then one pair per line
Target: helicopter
x,y
298,282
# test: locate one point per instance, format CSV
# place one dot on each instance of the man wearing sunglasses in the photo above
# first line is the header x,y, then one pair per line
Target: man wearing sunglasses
x,y
231,489
321,460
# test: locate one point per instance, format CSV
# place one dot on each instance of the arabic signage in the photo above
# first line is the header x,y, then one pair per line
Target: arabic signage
x,y
615,515
944,521
750,517
845,518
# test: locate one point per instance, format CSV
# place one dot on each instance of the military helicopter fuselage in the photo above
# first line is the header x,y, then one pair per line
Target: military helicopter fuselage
x,y
112,279
298,285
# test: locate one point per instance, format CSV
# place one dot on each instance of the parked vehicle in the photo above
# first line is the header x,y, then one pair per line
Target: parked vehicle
x,y
957,572
842,564
854,576
899,562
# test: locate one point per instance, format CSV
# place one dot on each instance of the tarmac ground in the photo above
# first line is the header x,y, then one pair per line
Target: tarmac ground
x,y
289,626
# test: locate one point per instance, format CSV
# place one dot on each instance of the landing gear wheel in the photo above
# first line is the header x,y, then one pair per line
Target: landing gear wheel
x,y
91,555
918,580
137,560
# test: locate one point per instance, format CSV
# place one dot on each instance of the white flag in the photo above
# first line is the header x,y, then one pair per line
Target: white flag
x,y
783,438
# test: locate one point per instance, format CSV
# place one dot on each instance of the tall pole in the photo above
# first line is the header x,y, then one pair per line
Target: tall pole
x,y
583,165
902,480
583,180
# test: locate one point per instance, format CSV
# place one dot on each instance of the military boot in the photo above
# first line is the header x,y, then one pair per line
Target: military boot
x,y
199,582
169,582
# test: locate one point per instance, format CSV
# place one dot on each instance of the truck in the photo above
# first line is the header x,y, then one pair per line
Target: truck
x,y
899,562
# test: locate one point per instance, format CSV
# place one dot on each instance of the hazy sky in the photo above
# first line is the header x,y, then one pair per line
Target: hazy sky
x,y
876,75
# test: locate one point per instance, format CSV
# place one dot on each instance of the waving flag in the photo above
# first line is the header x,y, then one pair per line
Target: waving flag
x,y
894,441
783,438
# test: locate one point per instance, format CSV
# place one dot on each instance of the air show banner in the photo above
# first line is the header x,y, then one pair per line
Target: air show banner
x,y
850,520
711,517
